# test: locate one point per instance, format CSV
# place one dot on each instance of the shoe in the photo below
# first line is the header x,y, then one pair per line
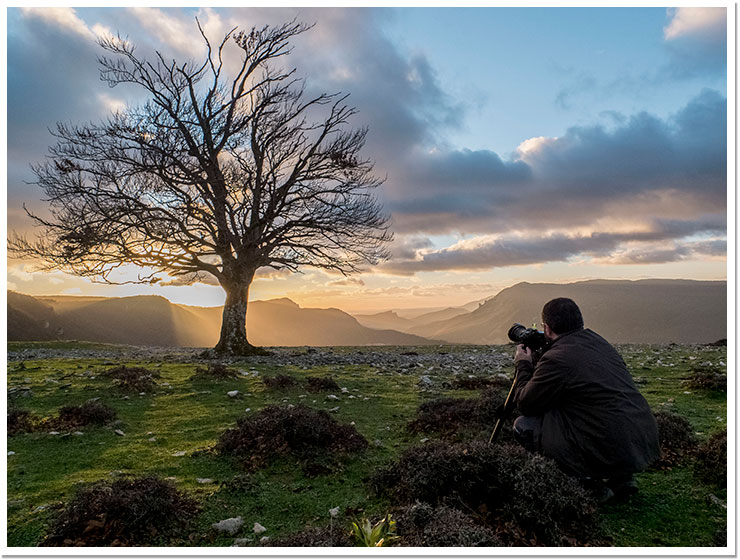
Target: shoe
x,y
600,492
623,487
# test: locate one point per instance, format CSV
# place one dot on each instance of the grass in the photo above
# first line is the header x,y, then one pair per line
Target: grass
x,y
188,415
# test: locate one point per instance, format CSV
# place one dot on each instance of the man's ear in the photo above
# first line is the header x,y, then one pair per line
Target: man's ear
x,y
548,331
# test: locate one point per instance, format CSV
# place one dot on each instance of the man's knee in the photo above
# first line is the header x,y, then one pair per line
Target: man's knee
x,y
527,431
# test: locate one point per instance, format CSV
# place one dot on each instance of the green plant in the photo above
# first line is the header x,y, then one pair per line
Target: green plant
x,y
382,533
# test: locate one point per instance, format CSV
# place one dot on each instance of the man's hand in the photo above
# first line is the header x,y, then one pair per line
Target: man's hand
x,y
523,354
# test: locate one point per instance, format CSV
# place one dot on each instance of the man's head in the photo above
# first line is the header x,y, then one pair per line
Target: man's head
x,y
561,315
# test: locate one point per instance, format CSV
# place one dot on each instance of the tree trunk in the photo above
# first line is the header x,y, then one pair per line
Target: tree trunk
x,y
233,340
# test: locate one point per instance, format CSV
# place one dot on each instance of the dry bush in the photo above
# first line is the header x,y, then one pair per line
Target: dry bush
x,y
677,439
125,512
136,379
90,413
20,421
705,377
312,436
316,536
279,382
423,525
215,371
479,382
506,484
321,384
449,416
711,460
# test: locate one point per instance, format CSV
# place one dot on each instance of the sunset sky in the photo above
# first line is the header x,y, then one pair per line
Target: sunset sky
x,y
519,144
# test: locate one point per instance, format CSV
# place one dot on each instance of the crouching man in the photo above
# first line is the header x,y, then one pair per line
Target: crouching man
x,y
581,408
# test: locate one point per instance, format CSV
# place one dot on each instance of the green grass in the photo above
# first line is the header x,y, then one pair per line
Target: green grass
x,y
672,509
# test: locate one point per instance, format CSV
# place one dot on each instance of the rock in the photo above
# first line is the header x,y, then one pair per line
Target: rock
x,y
425,381
230,526
258,529
11,453
53,433
119,432
77,433
265,540
204,480
344,390
241,542
335,409
152,439
332,397
178,454
233,394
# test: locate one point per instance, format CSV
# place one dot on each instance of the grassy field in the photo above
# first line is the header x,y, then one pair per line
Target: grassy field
x,y
170,431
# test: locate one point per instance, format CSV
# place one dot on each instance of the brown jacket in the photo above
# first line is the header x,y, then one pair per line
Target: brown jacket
x,y
594,420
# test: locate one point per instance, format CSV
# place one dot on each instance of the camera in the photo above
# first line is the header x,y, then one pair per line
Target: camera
x,y
531,338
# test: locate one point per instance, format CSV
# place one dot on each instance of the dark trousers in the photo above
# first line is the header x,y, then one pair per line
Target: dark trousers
x,y
528,432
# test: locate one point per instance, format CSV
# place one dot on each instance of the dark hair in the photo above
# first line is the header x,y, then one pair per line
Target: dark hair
x,y
562,315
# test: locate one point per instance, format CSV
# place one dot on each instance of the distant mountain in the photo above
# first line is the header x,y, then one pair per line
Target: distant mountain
x,y
643,311
154,321
385,320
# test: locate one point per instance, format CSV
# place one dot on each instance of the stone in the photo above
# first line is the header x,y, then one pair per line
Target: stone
x,y
230,526
11,453
233,394
204,480
332,397
178,454
258,529
241,542
265,540
335,409
53,433
77,433
152,439
119,432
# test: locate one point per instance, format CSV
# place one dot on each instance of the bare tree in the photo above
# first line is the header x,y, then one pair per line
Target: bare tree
x,y
213,175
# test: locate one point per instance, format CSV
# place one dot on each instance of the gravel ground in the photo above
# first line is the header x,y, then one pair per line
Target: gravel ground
x,y
470,360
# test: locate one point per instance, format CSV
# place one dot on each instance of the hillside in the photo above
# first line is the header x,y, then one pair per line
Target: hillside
x,y
643,311
154,321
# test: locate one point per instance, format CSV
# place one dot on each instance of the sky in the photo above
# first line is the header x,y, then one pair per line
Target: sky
x,y
518,144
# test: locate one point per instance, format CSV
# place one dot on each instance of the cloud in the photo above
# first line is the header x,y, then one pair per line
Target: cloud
x,y
63,18
626,247
669,165
707,24
696,39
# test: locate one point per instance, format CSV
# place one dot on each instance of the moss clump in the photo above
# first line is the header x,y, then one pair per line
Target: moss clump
x,y
508,486
677,439
312,436
90,413
215,372
321,384
125,512
706,377
136,379
711,460
279,382
423,525
316,536
20,421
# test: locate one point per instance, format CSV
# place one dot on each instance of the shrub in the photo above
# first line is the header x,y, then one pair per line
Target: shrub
x,y
215,371
422,525
279,382
677,439
479,382
316,536
125,512
506,482
20,421
90,413
312,436
137,379
449,416
321,384
711,460
705,377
